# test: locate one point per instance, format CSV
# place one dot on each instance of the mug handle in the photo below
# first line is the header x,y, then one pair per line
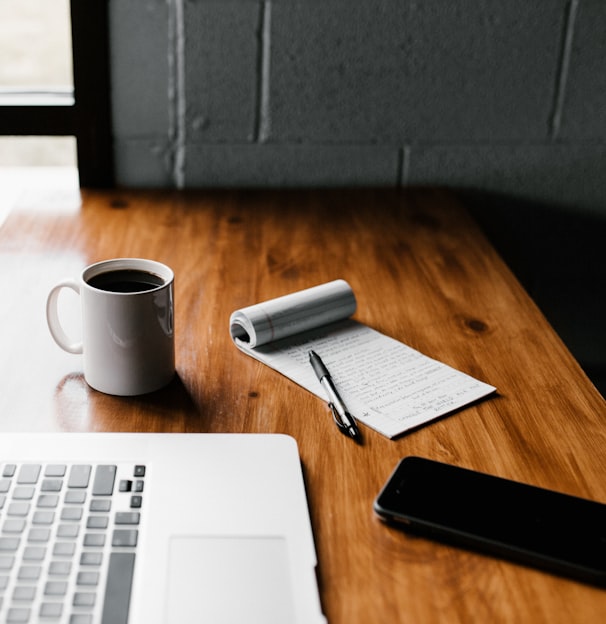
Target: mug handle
x,y
52,317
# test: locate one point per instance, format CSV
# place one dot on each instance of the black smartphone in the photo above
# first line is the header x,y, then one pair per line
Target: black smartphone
x,y
546,529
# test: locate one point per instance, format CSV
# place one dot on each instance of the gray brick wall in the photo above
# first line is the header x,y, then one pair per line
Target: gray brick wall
x,y
504,96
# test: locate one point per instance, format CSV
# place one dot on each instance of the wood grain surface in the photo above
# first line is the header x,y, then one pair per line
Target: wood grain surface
x,y
422,272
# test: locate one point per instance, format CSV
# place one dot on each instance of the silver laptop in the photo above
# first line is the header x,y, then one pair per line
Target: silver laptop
x,y
148,528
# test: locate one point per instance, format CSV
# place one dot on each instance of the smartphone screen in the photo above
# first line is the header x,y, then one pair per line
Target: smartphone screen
x,y
554,531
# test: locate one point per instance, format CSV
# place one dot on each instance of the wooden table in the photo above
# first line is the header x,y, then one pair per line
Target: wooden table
x,y
423,273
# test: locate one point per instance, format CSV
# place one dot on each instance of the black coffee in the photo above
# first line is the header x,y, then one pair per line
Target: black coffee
x,y
126,281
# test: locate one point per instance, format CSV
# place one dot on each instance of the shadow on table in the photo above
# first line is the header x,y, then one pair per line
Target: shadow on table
x,y
78,407
558,254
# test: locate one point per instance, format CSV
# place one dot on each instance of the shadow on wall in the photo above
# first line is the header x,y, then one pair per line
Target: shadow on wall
x,y
559,256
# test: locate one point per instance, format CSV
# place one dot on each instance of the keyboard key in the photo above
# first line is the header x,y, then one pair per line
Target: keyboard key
x,y
29,473
81,618
68,531
136,501
51,485
51,609
9,470
18,509
55,588
117,591
55,470
13,525
38,535
75,497
49,501
94,540
9,544
125,485
100,504
2,500
124,537
71,514
43,517
34,553
59,568
139,485
23,492
128,517
5,485
79,476
25,593
84,599
3,581
97,522
18,616
64,549
29,573
91,558
7,562
103,484
87,578
139,471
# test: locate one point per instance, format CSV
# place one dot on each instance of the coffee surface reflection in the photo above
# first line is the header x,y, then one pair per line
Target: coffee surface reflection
x,y
126,281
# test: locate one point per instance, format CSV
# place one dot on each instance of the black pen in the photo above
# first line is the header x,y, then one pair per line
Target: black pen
x,y
344,420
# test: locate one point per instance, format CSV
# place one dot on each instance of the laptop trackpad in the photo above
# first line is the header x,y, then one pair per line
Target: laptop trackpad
x,y
229,580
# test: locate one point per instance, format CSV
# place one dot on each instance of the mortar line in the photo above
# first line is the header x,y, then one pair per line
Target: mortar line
x,y
171,88
176,60
263,122
259,73
564,68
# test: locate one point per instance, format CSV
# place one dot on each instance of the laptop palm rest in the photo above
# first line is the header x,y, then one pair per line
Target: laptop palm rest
x,y
229,580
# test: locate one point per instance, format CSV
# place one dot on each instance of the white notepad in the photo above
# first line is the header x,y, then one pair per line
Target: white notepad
x,y
386,385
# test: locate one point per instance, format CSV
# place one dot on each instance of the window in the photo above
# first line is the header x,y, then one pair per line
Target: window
x,y
80,109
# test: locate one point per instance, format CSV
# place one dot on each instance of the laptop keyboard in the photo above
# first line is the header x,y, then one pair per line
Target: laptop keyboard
x,y
68,537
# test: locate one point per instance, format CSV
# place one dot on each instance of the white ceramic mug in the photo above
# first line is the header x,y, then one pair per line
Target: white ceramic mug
x,y
127,325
